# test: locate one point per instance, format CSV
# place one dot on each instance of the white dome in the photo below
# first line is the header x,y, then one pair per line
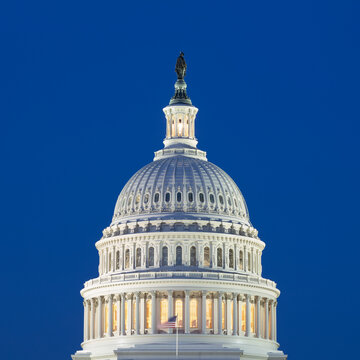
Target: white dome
x,y
181,187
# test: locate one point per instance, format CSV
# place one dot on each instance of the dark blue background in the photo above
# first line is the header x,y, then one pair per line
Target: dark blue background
x,y
82,86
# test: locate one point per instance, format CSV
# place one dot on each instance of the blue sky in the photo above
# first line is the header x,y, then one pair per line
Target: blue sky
x,y
82,87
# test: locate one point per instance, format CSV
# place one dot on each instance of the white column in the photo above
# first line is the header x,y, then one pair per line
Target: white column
x,y
118,309
109,316
235,314
203,312
92,319
266,318
122,316
248,314
272,320
275,322
220,294
137,311
99,314
86,320
187,312
240,315
143,313
228,315
129,313
258,318
170,307
153,312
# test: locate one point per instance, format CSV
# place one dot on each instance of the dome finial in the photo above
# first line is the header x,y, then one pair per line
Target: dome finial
x,y
180,85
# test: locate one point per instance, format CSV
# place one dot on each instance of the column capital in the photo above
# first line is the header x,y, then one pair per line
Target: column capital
x,y
187,293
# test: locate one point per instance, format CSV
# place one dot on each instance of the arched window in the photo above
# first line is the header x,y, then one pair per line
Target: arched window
x,y
209,313
193,256
206,256
137,199
231,258
127,258
178,255
167,197
179,312
146,198
193,313
148,314
219,257
249,262
201,197
241,260
178,197
191,197
212,198
164,256
151,256
117,260
138,257
156,197
109,267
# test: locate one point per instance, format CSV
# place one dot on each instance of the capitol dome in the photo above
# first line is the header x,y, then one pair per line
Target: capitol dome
x,y
180,264
181,187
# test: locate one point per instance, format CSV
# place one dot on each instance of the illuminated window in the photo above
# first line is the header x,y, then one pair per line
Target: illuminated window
x,y
138,257
193,256
270,332
209,313
252,318
219,257
206,256
232,315
117,260
243,317
193,313
223,307
115,317
163,310
179,312
180,128
241,260
186,129
151,256
201,197
167,197
156,197
127,258
178,255
148,314
191,197
126,315
173,128
164,256
178,197
231,258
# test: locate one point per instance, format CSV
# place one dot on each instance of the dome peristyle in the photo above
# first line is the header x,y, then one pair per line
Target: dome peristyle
x,y
181,187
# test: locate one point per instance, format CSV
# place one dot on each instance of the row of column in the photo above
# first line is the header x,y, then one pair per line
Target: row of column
x,y
113,258
214,313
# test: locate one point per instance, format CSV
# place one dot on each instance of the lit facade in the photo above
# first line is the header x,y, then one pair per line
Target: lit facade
x,y
180,243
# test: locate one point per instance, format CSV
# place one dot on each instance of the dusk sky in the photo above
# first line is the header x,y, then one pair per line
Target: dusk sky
x,y
82,87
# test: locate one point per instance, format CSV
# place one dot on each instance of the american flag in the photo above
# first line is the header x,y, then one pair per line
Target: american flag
x,y
171,323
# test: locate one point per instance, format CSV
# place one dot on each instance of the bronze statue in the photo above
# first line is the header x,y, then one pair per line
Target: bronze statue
x,y
180,67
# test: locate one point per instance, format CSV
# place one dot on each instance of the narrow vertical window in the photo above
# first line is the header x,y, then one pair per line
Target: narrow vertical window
x,y
201,197
118,260
127,258
243,317
252,318
219,257
115,316
178,255
164,256
223,321
109,263
148,314
191,197
156,198
231,258
193,256
163,310
178,197
212,199
151,256
167,197
249,262
241,260
193,313
206,256
179,312
209,313
138,257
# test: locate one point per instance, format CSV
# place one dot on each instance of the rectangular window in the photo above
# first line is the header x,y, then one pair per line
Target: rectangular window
x,y
209,312
126,315
232,315
223,307
193,313
252,318
115,317
163,310
133,314
148,314
106,319
243,317
179,312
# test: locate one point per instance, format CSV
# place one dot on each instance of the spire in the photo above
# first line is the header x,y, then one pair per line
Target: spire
x,y
180,96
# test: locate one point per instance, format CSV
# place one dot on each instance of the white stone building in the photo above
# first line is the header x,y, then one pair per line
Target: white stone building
x,y
180,243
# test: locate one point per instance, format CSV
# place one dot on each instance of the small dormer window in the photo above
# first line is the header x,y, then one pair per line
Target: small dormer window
x,y
191,197
221,199
167,197
229,201
212,198
137,200
156,197
146,198
201,197
178,196
129,201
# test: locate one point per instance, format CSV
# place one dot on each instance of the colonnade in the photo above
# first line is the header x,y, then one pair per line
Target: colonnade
x,y
199,312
